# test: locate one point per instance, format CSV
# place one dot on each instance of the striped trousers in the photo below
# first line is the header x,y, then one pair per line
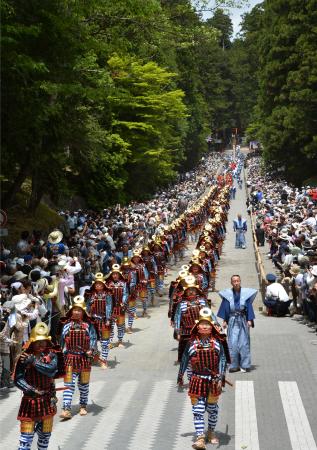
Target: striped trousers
x,y
131,314
69,392
199,410
159,285
120,330
104,343
26,439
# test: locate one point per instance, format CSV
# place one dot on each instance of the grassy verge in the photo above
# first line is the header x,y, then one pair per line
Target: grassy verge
x,y
19,219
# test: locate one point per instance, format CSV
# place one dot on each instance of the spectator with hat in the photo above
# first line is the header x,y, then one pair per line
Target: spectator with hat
x,y
276,299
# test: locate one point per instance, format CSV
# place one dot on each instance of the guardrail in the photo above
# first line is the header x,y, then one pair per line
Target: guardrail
x,y
258,257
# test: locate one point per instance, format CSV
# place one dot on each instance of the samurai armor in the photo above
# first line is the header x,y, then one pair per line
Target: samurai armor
x,y
27,426
117,290
202,387
37,406
206,360
98,305
85,376
77,343
117,311
189,318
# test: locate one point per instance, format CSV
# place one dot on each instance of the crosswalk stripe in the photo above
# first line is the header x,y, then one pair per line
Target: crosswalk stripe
x,y
63,430
149,420
185,426
13,435
246,428
298,426
111,417
8,406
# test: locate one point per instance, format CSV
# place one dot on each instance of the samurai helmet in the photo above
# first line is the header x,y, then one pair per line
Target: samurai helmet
x,y
115,268
79,302
196,253
40,333
196,262
205,314
125,262
99,278
183,274
190,283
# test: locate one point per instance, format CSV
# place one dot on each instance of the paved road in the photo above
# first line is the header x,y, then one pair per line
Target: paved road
x,y
136,405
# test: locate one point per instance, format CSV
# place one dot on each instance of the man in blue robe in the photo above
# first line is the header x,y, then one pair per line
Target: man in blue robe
x,y
237,313
240,227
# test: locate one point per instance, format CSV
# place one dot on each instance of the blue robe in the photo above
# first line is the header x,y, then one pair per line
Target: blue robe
x,y
236,309
240,227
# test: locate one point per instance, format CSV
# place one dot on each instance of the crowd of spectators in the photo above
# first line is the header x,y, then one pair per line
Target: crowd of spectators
x,y
286,220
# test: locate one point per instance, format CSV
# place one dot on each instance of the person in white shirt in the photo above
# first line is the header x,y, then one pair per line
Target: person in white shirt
x,y
310,221
276,299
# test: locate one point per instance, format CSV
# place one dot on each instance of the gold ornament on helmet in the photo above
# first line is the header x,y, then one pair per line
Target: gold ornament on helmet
x,y
183,274
99,278
125,261
40,333
79,302
115,269
191,282
205,314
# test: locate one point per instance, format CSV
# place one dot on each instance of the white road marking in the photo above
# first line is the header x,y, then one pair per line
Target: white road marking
x,y
246,428
111,417
185,426
63,430
149,421
8,406
298,426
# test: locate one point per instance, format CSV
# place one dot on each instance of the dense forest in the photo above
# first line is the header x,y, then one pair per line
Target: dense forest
x,y
109,100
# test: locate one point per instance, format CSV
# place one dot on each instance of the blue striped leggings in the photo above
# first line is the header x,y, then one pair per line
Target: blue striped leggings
x,y
68,393
120,328
159,284
104,348
26,439
131,313
199,410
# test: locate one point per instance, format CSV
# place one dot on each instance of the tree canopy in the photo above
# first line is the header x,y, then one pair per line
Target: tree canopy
x,y
281,37
108,100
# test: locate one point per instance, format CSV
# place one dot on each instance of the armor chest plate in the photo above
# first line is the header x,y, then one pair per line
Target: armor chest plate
x,y
192,314
38,380
78,339
206,359
98,304
140,272
117,291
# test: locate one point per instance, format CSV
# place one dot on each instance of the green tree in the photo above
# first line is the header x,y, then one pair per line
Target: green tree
x,y
288,86
149,114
